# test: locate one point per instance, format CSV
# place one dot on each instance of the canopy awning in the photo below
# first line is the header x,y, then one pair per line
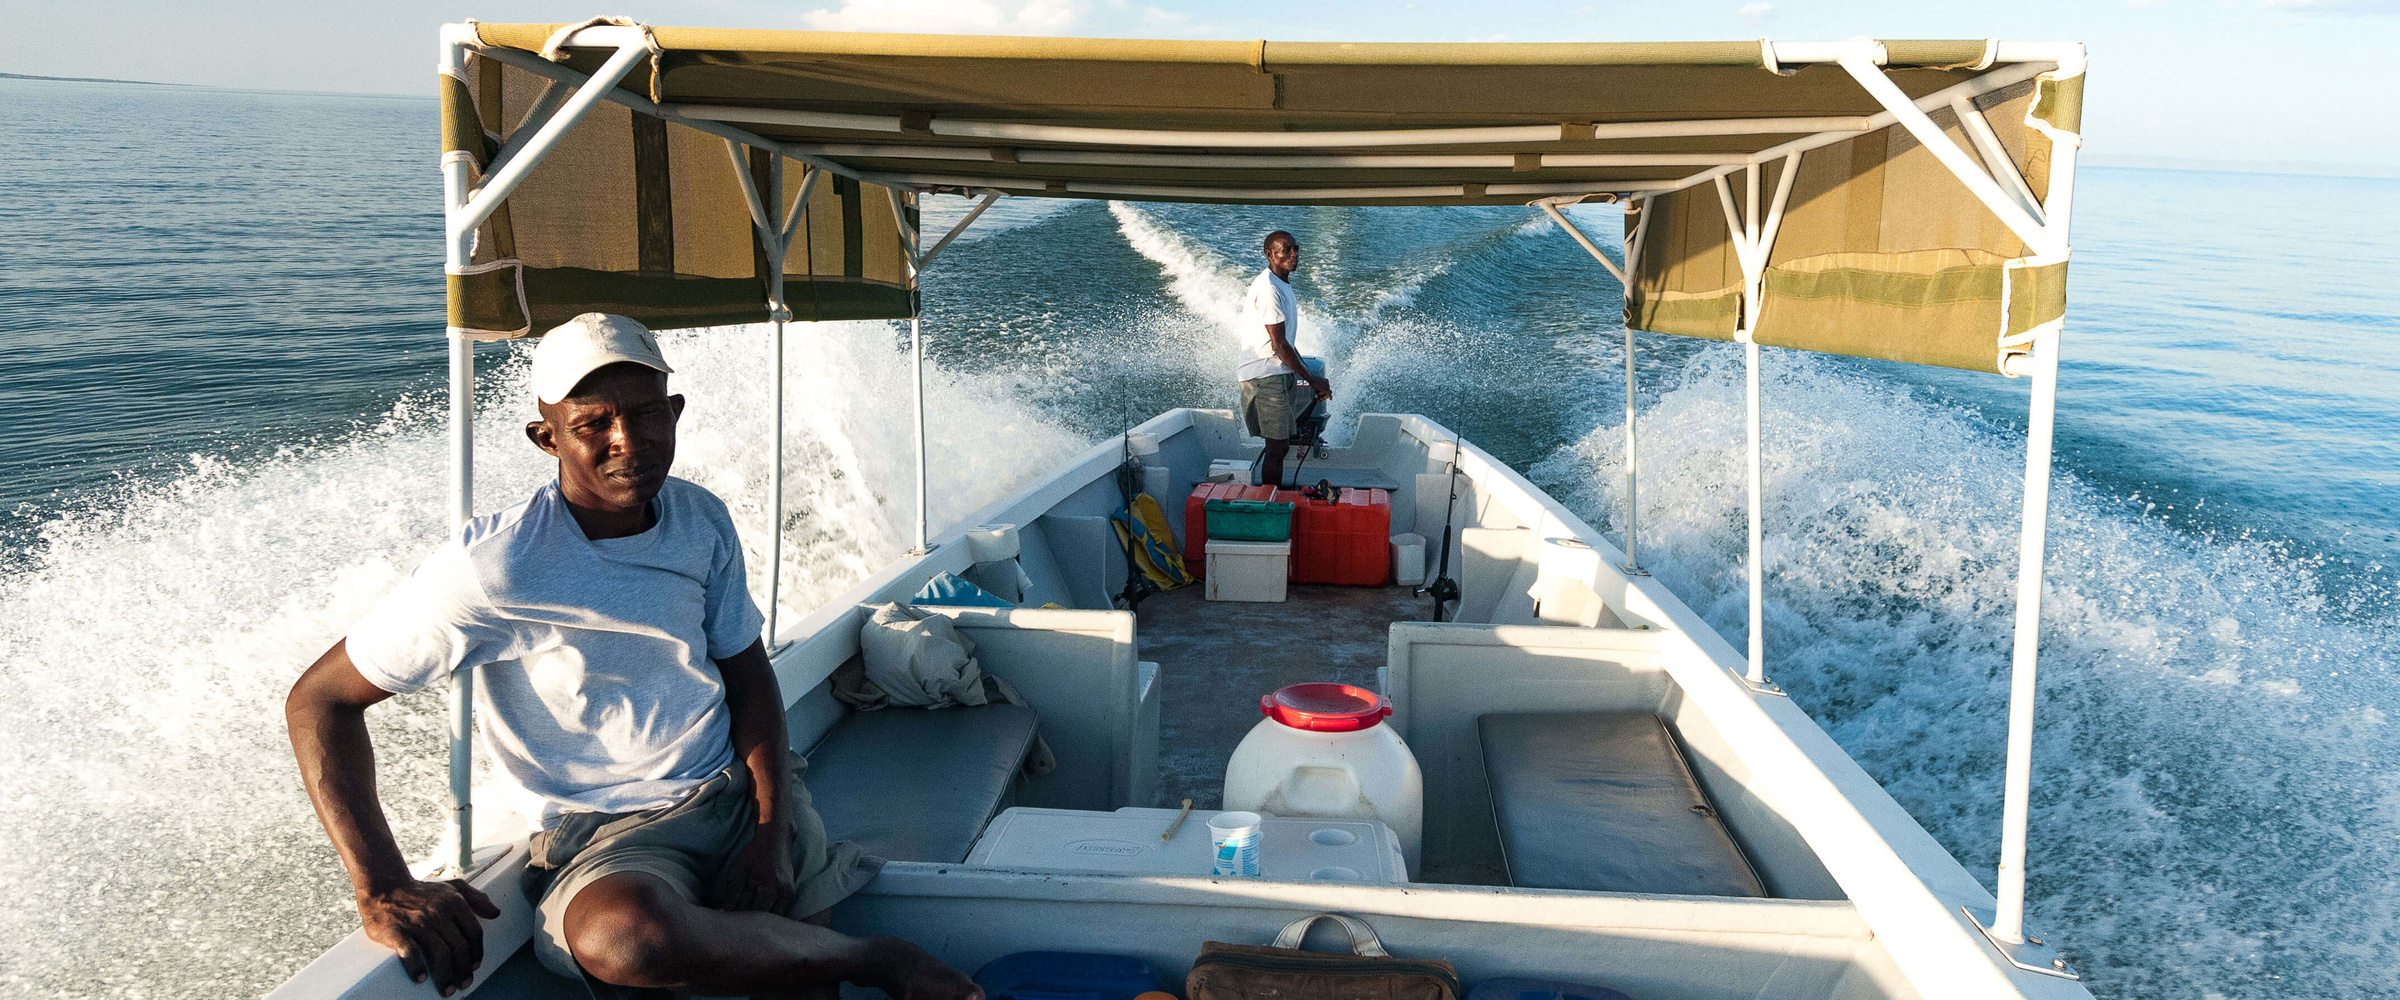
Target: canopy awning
x,y
639,209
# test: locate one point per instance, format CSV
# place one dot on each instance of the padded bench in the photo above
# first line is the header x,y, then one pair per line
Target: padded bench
x,y
1604,802
908,784
905,784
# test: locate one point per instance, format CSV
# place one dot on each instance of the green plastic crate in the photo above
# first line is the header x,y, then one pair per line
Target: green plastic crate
x,y
1249,520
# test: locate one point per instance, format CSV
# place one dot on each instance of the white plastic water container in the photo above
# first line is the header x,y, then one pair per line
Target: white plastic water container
x,y
1408,559
1248,571
1323,752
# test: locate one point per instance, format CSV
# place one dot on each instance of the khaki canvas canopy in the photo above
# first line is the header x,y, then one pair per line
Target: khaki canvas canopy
x,y
1876,249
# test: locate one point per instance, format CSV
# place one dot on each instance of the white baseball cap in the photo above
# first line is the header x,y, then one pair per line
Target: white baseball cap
x,y
585,344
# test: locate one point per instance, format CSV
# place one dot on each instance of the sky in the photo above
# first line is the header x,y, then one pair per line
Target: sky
x,y
2254,80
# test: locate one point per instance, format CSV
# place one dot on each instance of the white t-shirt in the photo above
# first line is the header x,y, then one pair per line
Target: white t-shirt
x,y
1270,301
599,688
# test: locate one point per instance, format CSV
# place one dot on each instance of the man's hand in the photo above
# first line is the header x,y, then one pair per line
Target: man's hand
x,y
908,972
759,876
432,926
1323,389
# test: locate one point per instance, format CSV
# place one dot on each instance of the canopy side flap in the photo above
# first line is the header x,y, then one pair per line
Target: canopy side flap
x,y
1882,252
645,217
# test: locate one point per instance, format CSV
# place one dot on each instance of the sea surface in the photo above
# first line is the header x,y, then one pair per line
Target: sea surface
x,y
220,441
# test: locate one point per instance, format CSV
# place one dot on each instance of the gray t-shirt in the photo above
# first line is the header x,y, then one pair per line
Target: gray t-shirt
x,y
599,689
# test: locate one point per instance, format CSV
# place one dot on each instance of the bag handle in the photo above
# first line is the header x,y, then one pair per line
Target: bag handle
x,y
1362,937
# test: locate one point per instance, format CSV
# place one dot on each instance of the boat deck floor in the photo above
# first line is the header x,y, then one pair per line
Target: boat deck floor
x,y
1216,658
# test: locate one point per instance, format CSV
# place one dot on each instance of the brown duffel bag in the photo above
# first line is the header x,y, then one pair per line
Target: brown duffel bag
x,y
1282,971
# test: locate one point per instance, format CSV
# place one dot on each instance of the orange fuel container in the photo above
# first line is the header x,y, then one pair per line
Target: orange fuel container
x,y
1195,516
1346,540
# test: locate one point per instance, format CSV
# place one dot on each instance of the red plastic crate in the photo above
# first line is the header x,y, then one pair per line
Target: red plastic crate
x,y
1195,516
1343,541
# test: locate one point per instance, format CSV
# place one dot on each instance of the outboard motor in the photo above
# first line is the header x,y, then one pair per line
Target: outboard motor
x,y
1311,431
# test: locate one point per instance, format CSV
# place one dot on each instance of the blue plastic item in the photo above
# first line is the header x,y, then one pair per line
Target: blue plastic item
x,y
1066,975
1512,988
948,591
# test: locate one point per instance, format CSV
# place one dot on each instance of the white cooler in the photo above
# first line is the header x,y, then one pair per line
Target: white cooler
x,y
1126,842
1248,571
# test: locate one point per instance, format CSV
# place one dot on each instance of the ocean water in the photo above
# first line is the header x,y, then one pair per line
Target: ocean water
x,y
220,440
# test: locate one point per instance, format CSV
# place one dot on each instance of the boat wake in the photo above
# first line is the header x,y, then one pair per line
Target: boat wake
x,y
2215,811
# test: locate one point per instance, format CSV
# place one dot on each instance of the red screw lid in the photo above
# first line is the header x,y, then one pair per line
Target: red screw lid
x,y
1325,708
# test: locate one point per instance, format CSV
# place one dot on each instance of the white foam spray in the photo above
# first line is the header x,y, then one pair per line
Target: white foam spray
x,y
1362,342
2215,811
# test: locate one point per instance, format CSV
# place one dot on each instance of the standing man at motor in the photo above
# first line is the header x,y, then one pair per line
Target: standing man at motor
x,y
1276,386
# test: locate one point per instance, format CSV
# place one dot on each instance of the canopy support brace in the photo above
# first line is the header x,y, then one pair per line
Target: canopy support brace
x,y
989,196
917,259
554,94
1907,115
503,179
776,228
1753,240
1995,156
1632,249
602,35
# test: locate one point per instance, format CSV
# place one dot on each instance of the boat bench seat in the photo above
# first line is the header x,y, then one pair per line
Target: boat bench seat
x,y
1604,802
905,784
909,784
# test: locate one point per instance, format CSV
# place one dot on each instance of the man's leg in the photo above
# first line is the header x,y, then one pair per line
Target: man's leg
x,y
1270,467
634,929
829,991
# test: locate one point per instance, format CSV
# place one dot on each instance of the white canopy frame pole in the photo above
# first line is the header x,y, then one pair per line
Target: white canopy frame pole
x,y
2043,227
1633,495
2008,921
916,359
465,206
1753,240
775,228
917,259
1625,282
458,175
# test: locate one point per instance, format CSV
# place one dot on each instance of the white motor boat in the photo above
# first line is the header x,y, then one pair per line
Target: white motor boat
x,y
1613,794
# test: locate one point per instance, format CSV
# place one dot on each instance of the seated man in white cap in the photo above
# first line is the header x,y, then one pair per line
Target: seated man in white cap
x,y
624,686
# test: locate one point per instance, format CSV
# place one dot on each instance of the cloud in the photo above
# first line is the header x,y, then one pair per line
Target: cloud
x,y
2353,8
1755,12
1030,17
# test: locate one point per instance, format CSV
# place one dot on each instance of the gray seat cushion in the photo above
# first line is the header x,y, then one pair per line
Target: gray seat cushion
x,y
907,784
1603,801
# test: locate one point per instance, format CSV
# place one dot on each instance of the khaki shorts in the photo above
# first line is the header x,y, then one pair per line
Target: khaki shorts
x,y
1271,406
685,845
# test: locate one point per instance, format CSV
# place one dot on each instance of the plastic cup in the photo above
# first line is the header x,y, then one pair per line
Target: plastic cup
x,y
1233,840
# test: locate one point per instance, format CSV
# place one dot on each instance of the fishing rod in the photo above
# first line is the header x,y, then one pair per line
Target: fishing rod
x,y
1129,474
1443,588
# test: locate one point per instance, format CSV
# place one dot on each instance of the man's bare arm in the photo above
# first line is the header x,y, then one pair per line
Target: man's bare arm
x,y
763,870
1284,352
432,926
